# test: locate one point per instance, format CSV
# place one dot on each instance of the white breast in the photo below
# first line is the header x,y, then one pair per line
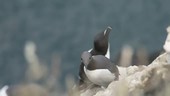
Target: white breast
x,y
108,52
101,77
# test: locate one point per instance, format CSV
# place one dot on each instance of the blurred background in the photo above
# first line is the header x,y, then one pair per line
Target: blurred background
x,y
60,30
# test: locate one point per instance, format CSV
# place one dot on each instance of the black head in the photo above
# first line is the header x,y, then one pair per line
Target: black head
x,y
101,41
86,57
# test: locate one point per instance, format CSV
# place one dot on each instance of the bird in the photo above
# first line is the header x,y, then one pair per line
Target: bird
x,y
99,69
101,46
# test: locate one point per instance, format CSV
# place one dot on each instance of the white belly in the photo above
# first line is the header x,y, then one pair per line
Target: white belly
x,y
101,77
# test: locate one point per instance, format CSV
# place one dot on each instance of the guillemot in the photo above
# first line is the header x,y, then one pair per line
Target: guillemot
x,y
101,46
99,69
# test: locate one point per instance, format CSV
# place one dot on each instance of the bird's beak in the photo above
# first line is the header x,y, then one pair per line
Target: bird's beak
x,y
107,30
